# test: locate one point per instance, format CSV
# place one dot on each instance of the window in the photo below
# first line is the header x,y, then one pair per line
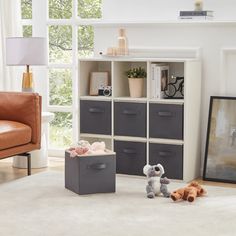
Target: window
x,y
60,44
85,41
60,9
26,9
26,16
89,9
61,130
60,87
27,30
68,38
63,57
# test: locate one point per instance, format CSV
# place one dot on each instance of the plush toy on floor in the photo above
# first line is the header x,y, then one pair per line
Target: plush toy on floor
x,y
189,193
156,184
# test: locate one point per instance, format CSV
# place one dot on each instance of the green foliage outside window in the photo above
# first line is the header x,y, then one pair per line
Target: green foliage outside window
x,y
85,41
60,44
26,9
26,13
89,8
60,87
60,131
60,9
27,30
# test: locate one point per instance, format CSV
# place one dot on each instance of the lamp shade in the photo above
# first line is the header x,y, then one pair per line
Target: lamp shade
x,y
26,51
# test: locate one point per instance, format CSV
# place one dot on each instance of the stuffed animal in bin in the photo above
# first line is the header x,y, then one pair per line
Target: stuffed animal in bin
x,y
156,185
189,193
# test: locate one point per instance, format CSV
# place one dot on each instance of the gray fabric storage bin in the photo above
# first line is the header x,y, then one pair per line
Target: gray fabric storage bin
x,y
95,117
131,157
91,173
166,121
168,155
130,119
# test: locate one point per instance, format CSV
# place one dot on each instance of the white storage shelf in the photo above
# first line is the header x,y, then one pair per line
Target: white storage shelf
x,y
148,23
190,69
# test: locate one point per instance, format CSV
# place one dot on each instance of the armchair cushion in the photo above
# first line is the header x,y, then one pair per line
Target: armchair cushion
x,y
24,108
13,134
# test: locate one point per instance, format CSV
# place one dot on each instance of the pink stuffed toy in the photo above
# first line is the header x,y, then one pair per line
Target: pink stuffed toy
x,y
84,148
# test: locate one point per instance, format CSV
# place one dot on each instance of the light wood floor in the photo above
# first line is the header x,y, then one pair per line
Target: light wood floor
x,y
8,173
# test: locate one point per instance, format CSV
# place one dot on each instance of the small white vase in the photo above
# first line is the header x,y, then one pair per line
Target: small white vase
x,y
136,87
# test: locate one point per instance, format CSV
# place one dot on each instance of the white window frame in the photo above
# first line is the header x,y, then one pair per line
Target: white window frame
x,y
40,23
27,22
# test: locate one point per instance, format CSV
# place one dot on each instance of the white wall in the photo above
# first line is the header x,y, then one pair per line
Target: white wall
x,y
163,9
211,38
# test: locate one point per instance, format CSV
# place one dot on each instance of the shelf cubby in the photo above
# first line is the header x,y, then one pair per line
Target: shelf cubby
x,y
175,69
120,79
85,70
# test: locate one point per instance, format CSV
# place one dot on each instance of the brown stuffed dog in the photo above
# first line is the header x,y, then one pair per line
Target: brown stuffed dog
x,y
190,192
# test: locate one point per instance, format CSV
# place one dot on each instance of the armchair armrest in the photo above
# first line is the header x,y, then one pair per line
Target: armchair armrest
x,y
24,108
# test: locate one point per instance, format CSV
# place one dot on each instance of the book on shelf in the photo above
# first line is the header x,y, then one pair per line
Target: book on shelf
x,y
196,17
196,13
159,80
153,85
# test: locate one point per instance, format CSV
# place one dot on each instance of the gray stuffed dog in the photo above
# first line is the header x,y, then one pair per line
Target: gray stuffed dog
x,y
156,184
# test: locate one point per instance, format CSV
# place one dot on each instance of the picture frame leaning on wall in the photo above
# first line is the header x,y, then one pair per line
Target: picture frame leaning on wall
x,y
97,79
220,151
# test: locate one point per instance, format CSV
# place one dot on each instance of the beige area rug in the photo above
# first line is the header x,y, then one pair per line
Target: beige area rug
x,y
39,205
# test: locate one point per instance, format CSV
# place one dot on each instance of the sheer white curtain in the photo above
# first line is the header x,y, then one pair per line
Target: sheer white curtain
x,y
10,26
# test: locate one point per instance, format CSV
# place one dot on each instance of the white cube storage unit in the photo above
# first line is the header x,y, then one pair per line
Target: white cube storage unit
x,y
144,130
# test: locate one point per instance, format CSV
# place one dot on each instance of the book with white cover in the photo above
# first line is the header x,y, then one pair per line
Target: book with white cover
x,y
153,84
196,17
159,80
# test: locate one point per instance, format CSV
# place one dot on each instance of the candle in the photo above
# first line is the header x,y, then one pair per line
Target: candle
x,y
198,5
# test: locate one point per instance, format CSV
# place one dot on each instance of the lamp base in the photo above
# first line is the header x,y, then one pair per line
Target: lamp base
x,y
27,82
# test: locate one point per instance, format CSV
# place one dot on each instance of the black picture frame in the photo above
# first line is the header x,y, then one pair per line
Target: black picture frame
x,y
220,150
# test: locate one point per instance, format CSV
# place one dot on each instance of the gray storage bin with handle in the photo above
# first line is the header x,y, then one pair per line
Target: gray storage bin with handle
x,y
87,174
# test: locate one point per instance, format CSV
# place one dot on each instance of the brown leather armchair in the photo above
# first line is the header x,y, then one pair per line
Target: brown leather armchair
x,y
20,124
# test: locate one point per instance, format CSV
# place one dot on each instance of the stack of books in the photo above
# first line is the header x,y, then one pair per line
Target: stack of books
x,y
159,80
196,15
